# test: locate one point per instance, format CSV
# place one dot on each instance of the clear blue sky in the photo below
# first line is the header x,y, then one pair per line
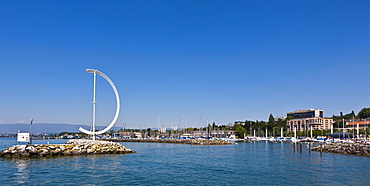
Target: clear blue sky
x,y
225,60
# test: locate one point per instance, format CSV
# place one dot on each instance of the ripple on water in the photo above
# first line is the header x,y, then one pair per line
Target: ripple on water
x,y
179,164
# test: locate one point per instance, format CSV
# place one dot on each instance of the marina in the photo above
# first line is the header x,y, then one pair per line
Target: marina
x,y
255,163
179,141
185,93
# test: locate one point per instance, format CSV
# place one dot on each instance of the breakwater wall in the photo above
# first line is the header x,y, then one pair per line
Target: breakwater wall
x,y
72,147
179,141
361,149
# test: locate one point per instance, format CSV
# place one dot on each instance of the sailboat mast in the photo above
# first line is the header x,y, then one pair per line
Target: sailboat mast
x,y
94,107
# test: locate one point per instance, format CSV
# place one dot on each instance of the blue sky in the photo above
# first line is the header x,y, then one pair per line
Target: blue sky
x,y
223,60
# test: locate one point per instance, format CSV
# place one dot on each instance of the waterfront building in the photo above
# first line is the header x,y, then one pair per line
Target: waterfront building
x,y
163,130
280,118
362,124
125,135
303,120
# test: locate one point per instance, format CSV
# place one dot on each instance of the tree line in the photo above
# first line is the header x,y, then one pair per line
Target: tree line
x,y
274,126
258,128
338,120
250,128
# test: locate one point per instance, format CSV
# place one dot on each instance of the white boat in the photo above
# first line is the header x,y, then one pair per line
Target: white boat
x,y
348,141
252,138
331,140
320,140
272,139
295,140
262,139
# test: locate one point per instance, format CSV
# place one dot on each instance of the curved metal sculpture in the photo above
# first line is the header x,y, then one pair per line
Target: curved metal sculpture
x,y
93,132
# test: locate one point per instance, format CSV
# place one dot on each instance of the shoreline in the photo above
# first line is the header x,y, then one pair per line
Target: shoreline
x,y
178,141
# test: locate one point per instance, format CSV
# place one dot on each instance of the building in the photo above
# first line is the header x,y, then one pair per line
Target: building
x,y
280,117
303,120
308,113
362,124
163,130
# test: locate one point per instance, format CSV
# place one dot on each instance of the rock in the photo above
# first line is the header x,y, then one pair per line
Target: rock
x,y
76,148
43,154
76,153
67,152
61,147
25,154
355,148
21,147
89,151
32,150
72,147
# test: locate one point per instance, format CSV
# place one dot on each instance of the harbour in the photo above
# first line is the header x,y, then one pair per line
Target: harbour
x,y
178,141
255,163
185,93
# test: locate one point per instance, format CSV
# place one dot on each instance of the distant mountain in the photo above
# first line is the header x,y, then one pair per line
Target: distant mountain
x,y
50,128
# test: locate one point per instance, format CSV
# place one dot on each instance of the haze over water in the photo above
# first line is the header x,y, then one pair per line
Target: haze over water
x,y
261,163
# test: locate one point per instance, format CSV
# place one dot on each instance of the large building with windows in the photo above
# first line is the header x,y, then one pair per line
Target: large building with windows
x,y
303,120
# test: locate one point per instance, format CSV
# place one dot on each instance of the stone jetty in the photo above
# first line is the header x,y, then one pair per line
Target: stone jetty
x,y
180,141
362,149
72,147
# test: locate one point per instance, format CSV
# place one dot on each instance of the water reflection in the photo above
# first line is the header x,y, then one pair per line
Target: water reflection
x,y
22,175
178,164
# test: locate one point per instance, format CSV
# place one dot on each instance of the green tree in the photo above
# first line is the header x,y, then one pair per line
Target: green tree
x,y
112,132
63,133
350,115
271,124
364,113
337,124
150,132
240,131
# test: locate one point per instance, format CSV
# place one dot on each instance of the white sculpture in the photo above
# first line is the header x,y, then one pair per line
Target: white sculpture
x,y
93,132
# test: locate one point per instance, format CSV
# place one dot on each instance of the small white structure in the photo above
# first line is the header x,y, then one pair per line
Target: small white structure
x,y
138,135
163,130
23,137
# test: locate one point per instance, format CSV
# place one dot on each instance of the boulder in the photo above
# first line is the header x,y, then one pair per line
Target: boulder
x,y
72,147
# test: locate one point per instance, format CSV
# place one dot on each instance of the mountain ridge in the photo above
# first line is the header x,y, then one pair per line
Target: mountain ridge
x,y
49,128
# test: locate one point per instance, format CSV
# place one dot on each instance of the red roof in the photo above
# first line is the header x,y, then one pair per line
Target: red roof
x,y
359,123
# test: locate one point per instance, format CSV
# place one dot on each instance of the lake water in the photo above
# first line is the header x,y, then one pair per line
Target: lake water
x,y
261,163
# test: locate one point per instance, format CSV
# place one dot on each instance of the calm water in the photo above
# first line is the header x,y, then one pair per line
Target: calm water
x,y
261,163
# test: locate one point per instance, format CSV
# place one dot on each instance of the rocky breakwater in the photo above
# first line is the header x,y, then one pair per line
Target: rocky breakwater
x,y
72,147
361,149
180,141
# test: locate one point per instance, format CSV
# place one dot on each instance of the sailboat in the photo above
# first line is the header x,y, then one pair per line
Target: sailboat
x,y
294,139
